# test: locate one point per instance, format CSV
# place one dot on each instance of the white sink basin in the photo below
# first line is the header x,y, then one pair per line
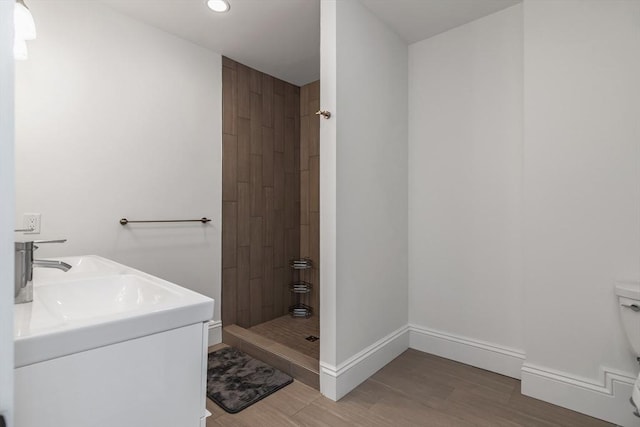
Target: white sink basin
x,y
99,302
102,296
85,266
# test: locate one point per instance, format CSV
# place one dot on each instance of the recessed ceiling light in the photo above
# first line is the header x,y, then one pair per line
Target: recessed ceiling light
x,y
218,5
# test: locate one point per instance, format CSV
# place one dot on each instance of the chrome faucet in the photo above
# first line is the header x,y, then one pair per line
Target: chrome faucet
x,y
24,264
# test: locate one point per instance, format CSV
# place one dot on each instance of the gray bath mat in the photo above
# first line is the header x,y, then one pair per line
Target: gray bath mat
x,y
236,380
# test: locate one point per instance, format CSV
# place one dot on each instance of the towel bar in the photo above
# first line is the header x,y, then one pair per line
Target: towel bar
x,y
125,221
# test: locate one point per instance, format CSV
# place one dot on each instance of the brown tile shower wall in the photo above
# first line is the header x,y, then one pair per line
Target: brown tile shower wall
x,y
260,193
310,184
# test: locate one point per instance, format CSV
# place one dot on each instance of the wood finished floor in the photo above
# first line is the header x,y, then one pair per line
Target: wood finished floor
x,y
416,389
292,333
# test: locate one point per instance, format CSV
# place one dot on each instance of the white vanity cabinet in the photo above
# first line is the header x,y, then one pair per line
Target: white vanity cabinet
x,y
110,346
157,380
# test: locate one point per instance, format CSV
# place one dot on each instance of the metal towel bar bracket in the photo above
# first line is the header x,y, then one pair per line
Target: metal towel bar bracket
x,y
633,307
125,221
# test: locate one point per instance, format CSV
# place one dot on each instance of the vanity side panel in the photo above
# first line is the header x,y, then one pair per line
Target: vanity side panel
x,y
155,380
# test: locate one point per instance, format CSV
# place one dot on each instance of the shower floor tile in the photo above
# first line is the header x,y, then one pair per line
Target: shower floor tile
x,y
293,333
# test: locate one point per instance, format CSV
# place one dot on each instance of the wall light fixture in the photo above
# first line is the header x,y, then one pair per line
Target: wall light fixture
x,y
24,29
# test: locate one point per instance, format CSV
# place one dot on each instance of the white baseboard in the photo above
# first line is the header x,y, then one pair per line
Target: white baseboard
x,y
607,399
215,332
337,381
492,357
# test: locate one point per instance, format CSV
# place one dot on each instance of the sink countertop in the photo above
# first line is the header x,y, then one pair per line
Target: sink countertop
x,y
97,303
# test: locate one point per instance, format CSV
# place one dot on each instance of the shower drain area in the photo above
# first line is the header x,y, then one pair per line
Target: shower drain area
x,y
294,332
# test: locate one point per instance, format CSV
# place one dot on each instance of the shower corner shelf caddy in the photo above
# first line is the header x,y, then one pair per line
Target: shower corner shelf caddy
x,y
300,288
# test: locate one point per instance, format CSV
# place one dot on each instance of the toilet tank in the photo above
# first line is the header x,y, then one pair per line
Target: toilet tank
x,y
629,305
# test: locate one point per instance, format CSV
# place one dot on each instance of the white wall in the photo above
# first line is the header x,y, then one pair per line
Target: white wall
x,y
465,186
371,179
524,197
7,200
582,179
582,188
370,199
118,119
328,94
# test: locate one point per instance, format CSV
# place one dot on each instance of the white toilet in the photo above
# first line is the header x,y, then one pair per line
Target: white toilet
x,y
629,303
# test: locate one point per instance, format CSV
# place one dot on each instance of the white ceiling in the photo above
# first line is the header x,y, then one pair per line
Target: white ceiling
x,y
416,20
282,37
278,37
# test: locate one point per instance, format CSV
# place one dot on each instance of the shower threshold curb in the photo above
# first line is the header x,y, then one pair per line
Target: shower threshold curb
x,y
298,365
